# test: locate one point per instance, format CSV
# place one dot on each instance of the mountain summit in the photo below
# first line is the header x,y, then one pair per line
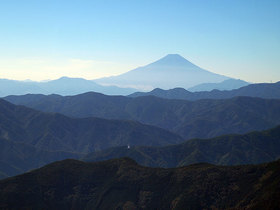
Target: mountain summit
x,y
168,72
174,59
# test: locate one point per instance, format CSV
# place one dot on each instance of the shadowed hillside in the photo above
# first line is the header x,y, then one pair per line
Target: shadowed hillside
x,y
17,157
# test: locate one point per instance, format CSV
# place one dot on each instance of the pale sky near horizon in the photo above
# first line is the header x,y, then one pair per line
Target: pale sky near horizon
x,y
47,39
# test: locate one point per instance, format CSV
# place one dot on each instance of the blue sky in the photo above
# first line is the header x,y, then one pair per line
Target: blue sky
x,y
48,39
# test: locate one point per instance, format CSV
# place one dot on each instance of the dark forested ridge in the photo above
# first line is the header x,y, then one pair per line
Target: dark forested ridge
x,y
122,184
251,148
262,90
198,119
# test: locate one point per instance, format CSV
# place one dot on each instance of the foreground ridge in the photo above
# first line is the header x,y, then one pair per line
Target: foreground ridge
x,y
122,184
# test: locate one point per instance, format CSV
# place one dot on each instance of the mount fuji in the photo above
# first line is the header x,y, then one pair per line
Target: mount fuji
x,y
169,72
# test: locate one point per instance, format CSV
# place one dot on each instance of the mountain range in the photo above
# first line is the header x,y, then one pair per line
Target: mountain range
x,y
180,133
29,138
198,119
122,184
222,122
251,148
168,72
262,90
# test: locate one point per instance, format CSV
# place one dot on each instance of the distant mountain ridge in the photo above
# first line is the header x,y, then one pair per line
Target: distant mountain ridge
x,y
123,184
198,119
262,90
169,72
228,84
62,86
250,148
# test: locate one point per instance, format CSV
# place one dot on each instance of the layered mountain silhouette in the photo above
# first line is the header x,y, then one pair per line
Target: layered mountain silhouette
x,y
29,138
218,120
197,119
122,184
262,90
169,72
62,86
251,148
228,84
